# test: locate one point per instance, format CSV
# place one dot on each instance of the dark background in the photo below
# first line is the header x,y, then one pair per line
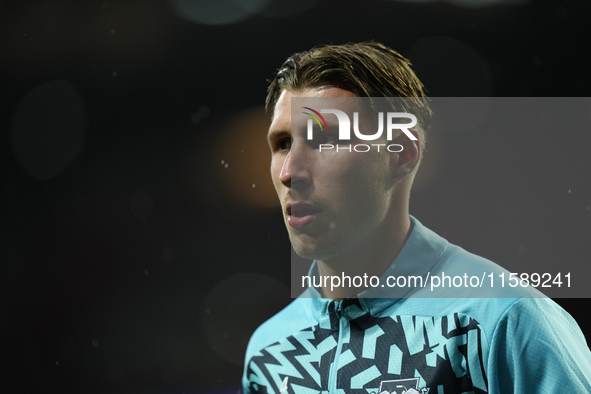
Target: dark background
x,y
141,241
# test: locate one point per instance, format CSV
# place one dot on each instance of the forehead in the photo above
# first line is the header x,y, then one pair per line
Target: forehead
x,y
282,110
317,91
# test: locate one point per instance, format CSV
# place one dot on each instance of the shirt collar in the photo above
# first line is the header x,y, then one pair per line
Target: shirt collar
x,y
418,256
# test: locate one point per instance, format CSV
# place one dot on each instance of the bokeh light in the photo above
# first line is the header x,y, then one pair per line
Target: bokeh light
x,y
234,308
469,3
217,12
238,163
48,129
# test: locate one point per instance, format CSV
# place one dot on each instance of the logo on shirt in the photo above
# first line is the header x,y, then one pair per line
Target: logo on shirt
x,y
401,386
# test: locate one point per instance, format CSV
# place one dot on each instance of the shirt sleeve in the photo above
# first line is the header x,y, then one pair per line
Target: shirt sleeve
x,y
537,347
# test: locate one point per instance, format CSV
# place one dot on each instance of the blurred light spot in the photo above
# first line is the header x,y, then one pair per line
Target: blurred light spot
x,y
57,363
94,343
332,225
243,141
112,31
521,249
168,254
286,8
568,191
450,68
146,272
226,165
204,111
142,205
48,129
470,3
217,12
253,185
247,298
537,61
114,74
195,118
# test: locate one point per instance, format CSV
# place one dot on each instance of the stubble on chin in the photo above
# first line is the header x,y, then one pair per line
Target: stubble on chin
x,y
323,246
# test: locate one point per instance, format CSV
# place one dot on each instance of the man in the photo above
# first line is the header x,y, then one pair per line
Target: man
x,y
348,210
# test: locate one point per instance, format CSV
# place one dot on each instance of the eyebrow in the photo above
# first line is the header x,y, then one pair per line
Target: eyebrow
x,y
332,124
275,134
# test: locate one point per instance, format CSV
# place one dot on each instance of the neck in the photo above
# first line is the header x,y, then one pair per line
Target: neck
x,y
369,258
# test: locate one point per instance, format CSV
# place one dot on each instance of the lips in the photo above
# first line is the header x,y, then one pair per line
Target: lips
x,y
300,214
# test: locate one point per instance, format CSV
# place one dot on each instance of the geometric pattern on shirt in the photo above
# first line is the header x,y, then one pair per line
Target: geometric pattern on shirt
x,y
446,353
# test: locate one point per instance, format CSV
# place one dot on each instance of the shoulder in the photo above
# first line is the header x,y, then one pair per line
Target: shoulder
x,y
538,344
480,277
296,316
537,319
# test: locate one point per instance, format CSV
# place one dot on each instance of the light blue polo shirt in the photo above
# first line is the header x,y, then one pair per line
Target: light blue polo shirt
x,y
466,339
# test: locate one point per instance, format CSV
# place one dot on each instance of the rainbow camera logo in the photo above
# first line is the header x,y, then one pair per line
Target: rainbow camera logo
x,y
315,118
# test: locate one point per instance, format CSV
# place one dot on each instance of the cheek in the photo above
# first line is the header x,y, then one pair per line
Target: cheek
x,y
276,166
367,175
356,164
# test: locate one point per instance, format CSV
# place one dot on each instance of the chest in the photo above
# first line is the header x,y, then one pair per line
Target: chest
x,y
359,353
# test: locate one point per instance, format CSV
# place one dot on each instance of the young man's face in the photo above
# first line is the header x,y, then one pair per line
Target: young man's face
x,y
332,201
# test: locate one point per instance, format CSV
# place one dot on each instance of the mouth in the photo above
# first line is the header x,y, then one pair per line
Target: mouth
x,y
300,214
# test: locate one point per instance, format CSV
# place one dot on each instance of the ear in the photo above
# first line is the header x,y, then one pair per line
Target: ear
x,y
403,163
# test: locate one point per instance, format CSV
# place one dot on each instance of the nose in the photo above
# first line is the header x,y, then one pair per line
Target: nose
x,y
285,174
294,172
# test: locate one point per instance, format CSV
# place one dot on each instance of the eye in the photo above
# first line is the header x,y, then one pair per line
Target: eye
x,y
323,138
283,144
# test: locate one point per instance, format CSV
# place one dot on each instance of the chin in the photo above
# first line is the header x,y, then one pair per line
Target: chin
x,y
316,250
310,253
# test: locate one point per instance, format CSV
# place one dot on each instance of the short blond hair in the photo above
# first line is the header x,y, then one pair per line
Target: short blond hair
x,y
368,69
